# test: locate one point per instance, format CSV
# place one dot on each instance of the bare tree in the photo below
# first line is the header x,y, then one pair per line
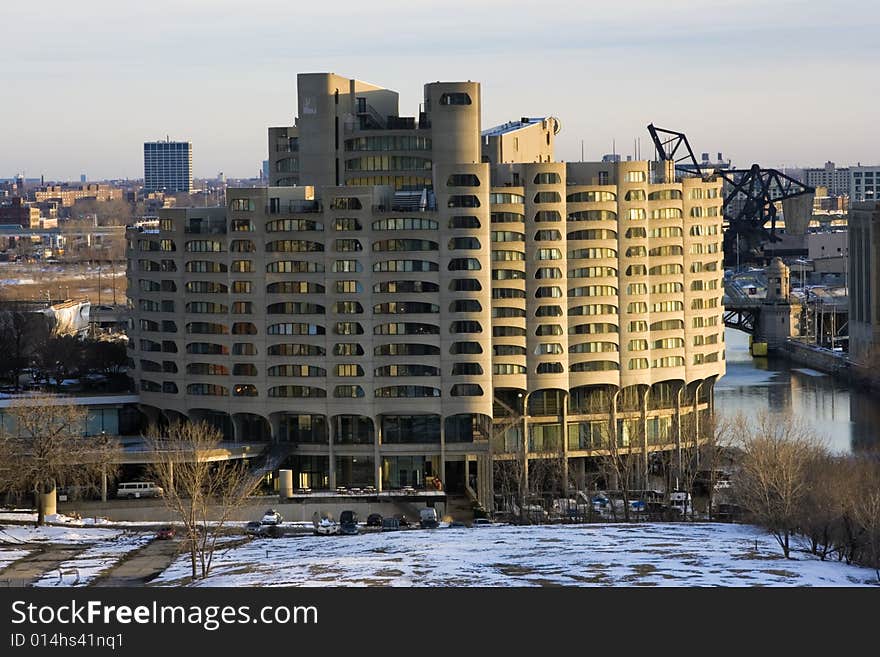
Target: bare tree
x,y
45,447
772,481
508,475
866,511
623,459
202,492
21,335
824,504
706,446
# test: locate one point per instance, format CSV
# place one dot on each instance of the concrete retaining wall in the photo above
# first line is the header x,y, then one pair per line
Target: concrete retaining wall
x,y
155,510
824,360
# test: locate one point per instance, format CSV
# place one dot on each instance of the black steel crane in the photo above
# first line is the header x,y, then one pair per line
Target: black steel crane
x,y
750,195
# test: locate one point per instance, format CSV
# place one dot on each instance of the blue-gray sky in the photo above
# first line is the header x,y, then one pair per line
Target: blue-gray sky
x,y
781,82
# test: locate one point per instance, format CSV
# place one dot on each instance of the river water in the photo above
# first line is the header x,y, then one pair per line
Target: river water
x,y
845,418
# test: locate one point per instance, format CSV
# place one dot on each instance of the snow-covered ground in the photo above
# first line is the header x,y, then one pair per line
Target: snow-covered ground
x,y
88,564
8,555
677,554
16,534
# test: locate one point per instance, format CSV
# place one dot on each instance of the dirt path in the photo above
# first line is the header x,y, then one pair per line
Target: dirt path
x,y
140,566
31,568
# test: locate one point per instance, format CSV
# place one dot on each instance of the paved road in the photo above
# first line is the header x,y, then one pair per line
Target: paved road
x,y
141,566
31,568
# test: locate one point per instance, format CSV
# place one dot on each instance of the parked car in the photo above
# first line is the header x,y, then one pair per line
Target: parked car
x,y
374,520
401,520
428,518
165,533
457,524
137,489
390,524
348,521
272,531
324,524
272,517
254,528
482,522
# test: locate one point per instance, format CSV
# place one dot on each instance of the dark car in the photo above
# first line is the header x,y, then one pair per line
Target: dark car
x,y
254,528
273,531
165,533
348,521
401,519
390,524
374,520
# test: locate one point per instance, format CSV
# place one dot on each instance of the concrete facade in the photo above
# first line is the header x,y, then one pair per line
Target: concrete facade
x,y
438,312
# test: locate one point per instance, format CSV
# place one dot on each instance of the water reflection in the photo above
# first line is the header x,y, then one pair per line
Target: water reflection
x,y
848,419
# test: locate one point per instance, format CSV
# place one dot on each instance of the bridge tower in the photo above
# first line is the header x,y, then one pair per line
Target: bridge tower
x,y
778,318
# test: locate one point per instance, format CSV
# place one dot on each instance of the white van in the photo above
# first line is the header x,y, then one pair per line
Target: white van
x,y
136,489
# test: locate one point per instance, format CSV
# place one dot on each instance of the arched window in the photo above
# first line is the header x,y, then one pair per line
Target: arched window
x,y
463,264
405,245
464,244
462,180
466,390
407,391
547,178
294,308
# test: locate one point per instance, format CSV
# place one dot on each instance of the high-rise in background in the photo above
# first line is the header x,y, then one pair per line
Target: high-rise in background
x,y
168,166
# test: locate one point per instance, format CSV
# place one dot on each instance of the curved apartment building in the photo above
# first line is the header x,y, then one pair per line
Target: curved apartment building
x,y
429,300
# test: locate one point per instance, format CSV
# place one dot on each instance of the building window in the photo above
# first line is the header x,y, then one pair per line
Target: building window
x,y
348,391
242,205
466,390
462,180
455,98
464,244
407,391
463,201
464,221
405,245
500,198
548,197
295,246
593,215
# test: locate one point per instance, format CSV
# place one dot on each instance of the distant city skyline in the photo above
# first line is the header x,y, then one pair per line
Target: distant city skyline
x,y
792,83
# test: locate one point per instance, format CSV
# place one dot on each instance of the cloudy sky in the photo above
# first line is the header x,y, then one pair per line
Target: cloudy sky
x,y
782,82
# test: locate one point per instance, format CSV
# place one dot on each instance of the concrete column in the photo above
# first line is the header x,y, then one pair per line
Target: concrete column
x,y
525,455
490,473
377,456
676,434
49,502
331,459
104,484
644,429
443,454
275,427
564,431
